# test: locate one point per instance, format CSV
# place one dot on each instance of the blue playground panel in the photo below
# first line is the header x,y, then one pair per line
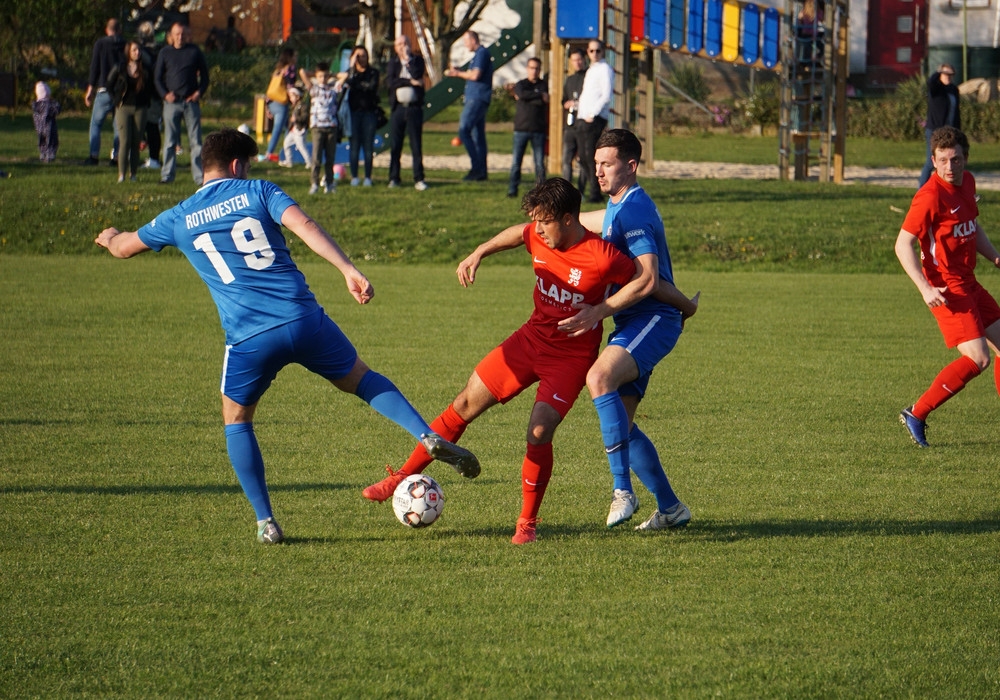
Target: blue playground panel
x,y
676,24
580,19
343,154
696,26
713,29
772,37
656,22
750,41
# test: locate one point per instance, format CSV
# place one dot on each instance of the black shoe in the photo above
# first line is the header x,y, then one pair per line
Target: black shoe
x,y
166,182
91,161
113,163
511,195
475,177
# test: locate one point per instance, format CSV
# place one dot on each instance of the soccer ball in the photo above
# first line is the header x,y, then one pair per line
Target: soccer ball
x,y
418,501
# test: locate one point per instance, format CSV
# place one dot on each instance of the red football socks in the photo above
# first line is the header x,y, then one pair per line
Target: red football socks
x,y
448,425
949,382
536,470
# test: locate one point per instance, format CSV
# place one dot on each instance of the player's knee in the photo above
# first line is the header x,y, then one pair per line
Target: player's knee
x,y
540,434
983,361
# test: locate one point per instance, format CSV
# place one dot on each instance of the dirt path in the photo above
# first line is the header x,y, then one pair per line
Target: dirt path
x,y
499,163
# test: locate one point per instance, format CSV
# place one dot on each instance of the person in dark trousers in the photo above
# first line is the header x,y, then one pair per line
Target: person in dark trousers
x,y
405,79
571,103
943,109
531,121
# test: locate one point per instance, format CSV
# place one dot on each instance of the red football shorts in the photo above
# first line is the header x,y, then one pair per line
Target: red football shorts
x,y
519,362
967,316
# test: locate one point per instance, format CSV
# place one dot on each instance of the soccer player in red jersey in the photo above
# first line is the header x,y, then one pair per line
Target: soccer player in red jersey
x,y
943,219
572,266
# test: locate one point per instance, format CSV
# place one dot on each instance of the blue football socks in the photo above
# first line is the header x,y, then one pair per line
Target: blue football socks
x,y
382,395
614,428
244,454
647,466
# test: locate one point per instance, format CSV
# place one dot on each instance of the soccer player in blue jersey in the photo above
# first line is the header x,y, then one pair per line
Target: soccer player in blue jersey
x,y
230,232
644,333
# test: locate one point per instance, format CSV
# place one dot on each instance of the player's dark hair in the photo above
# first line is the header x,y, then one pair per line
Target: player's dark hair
x,y
949,137
625,141
555,197
223,147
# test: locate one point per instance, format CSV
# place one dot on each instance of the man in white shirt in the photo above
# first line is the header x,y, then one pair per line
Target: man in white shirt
x,y
593,113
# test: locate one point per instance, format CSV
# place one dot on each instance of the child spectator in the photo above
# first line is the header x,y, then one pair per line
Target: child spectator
x,y
323,122
297,126
44,110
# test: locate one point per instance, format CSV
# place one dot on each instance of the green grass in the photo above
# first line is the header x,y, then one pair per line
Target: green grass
x,y
712,224
827,557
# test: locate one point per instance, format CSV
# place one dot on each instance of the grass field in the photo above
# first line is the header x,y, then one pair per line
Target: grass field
x,y
827,555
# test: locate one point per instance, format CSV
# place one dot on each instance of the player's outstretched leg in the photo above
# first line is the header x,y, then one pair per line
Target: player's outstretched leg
x,y
951,380
670,512
244,455
382,395
448,425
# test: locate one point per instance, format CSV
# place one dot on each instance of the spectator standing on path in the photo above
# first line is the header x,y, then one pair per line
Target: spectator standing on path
x,y
531,119
593,114
298,125
323,123
944,220
43,112
478,93
106,54
181,78
361,81
282,78
943,109
150,50
405,78
130,84
571,104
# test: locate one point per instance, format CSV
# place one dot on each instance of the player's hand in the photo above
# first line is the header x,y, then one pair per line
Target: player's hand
x,y
694,301
586,317
360,288
934,297
104,237
466,270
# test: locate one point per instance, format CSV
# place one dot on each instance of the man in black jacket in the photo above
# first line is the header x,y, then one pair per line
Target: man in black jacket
x,y
181,78
108,52
571,96
531,117
942,110
405,79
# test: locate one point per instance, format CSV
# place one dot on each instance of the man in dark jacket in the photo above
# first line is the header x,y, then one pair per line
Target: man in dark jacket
x,y
571,97
531,116
108,52
942,110
181,78
405,78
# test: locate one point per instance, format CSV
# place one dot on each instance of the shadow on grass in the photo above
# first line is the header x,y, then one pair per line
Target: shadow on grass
x,y
160,489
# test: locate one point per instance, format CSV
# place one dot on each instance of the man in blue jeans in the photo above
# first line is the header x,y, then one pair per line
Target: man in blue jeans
x,y
108,51
531,118
478,79
181,78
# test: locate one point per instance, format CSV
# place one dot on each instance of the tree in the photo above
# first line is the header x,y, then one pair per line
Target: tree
x,y
446,21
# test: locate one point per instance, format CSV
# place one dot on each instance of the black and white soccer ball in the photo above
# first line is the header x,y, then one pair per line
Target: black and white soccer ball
x,y
418,501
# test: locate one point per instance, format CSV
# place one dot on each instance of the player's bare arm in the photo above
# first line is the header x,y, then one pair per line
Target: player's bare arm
x,y
322,243
909,258
508,239
592,220
669,294
643,284
121,244
985,248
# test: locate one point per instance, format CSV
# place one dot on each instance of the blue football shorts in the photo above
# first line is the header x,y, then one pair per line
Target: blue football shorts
x,y
315,342
648,339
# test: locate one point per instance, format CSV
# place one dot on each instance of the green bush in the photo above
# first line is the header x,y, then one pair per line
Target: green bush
x,y
689,78
898,116
762,107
